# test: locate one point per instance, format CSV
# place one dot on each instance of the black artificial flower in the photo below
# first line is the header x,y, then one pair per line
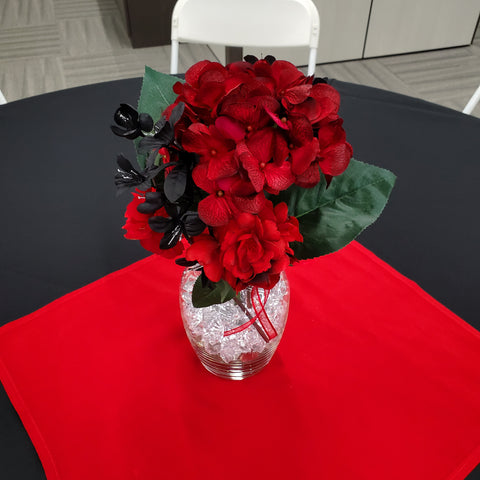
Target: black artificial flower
x,y
153,202
164,131
131,124
176,225
183,262
128,177
252,59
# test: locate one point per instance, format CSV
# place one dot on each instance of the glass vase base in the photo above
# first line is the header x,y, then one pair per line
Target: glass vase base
x,y
248,365
231,339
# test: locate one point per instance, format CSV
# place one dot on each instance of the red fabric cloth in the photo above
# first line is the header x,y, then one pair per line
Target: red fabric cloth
x,y
373,380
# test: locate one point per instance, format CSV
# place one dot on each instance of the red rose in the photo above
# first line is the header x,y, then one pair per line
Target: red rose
x,y
250,249
256,247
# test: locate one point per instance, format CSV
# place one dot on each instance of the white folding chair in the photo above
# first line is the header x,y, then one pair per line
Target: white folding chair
x,y
472,103
2,98
246,23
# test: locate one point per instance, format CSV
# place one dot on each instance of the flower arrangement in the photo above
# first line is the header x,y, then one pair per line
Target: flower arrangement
x,y
243,171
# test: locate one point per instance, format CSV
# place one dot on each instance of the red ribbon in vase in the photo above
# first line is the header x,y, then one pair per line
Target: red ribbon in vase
x,y
260,315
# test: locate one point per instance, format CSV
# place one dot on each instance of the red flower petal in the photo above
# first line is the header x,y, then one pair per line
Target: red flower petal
x,y
230,128
240,110
309,178
193,73
279,265
282,124
263,264
136,225
210,94
296,94
331,133
327,95
213,271
266,102
280,147
221,166
260,144
194,140
270,231
335,159
246,221
279,178
302,157
262,68
251,204
206,250
301,130
255,174
241,188
212,72
214,210
286,74
281,212
200,177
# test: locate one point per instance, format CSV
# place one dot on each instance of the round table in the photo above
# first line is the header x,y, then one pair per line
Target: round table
x,y
62,221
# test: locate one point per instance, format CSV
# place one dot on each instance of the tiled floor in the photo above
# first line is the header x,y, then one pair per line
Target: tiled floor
x,y
47,45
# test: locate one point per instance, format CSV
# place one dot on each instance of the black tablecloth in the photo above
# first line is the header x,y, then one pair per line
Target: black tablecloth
x,y
62,221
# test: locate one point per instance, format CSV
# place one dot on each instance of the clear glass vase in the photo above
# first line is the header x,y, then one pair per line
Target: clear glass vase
x,y
232,339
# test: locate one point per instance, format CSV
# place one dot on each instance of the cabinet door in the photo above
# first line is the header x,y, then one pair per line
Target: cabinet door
x,y
343,26
400,26
148,21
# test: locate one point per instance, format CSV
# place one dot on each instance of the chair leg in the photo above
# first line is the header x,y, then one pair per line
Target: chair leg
x,y
472,103
174,57
311,61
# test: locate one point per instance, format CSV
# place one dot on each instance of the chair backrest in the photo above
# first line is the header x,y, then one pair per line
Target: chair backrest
x,y
472,103
2,98
246,23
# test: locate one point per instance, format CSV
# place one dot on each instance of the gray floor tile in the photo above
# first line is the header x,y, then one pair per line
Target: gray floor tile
x,y
26,78
93,35
28,42
23,13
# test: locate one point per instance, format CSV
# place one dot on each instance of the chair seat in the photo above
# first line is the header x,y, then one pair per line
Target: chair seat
x,y
246,23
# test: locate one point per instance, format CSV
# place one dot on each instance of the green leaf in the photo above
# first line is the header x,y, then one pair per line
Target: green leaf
x,y
205,296
156,95
330,218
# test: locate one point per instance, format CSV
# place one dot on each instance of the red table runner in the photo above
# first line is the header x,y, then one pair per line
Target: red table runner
x,y
373,380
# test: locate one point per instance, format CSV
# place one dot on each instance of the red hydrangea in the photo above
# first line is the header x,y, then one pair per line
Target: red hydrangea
x,y
257,128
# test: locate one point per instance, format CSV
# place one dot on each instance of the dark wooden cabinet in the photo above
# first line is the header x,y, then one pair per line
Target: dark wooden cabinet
x,y
148,21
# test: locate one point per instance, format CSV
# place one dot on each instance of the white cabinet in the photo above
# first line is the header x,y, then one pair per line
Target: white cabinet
x,y
400,26
343,26
355,29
